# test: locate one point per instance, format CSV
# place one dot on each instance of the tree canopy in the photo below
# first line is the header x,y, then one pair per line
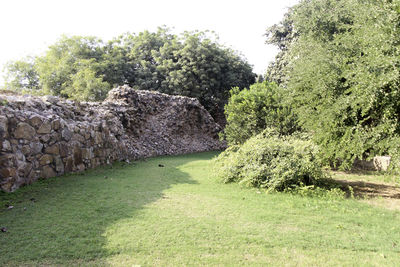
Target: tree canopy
x,y
84,68
342,74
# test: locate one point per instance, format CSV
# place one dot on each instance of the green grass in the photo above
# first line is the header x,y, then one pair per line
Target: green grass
x,y
180,215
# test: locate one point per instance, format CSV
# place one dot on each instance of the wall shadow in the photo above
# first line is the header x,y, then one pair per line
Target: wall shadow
x,y
63,219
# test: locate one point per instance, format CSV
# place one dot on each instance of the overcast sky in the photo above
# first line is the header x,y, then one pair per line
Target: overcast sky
x,y
28,27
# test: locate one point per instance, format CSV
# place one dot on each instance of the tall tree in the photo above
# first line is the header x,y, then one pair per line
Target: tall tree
x,y
57,69
282,35
344,75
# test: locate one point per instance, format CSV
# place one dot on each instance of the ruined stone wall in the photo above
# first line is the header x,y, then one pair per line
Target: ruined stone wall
x,y
50,136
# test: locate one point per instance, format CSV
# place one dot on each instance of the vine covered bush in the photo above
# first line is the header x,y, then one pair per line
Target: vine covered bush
x,y
271,161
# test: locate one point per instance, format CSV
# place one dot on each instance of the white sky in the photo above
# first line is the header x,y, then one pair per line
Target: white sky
x,y
28,27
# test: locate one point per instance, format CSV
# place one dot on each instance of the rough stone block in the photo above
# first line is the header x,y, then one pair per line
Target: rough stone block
x,y
36,148
59,165
7,172
36,121
381,163
3,126
46,159
24,131
48,172
69,164
54,149
56,124
66,134
6,146
26,150
64,150
77,155
45,128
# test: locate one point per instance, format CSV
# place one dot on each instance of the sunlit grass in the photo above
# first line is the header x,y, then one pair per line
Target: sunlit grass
x,y
179,215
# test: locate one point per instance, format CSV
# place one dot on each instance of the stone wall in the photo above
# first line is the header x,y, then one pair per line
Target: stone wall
x,y
50,136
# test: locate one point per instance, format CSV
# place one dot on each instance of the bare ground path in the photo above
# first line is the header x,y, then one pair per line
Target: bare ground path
x,y
383,192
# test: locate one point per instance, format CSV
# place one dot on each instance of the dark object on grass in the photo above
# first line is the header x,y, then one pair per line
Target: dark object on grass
x,y
105,177
160,165
3,229
33,199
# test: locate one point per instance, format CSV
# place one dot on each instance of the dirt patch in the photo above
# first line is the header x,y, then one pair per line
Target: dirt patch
x,y
364,189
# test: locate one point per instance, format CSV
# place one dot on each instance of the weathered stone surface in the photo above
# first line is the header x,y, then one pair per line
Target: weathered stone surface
x,y
26,150
87,153
78,137
36,121
378,163
54,149
46,159
6,146
3,126
48,172
77,156
7,172
36,148
45,128
59,165
50,136
66,134
64,150
7,184
56,124
7,160
69,164
381,163
24,131
27,169
80,168
45,138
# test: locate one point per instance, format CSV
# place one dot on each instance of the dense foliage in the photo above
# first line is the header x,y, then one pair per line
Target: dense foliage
x,y
250,111
342,74
85,68
283,36
270,161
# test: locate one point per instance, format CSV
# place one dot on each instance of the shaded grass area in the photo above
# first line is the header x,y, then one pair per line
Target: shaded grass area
x,y
180,215
369,184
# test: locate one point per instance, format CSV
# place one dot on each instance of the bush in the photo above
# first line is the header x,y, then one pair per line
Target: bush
x,y
250,111
270,161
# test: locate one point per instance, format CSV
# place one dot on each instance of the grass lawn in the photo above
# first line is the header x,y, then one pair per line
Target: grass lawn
x,y
179,215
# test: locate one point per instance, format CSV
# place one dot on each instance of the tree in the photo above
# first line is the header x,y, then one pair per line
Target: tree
x,y
203,69
86,85
192,64
21,75
58,68
283,35
344,75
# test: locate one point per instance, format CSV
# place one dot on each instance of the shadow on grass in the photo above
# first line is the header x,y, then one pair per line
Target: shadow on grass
x,y
64,219
364,189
